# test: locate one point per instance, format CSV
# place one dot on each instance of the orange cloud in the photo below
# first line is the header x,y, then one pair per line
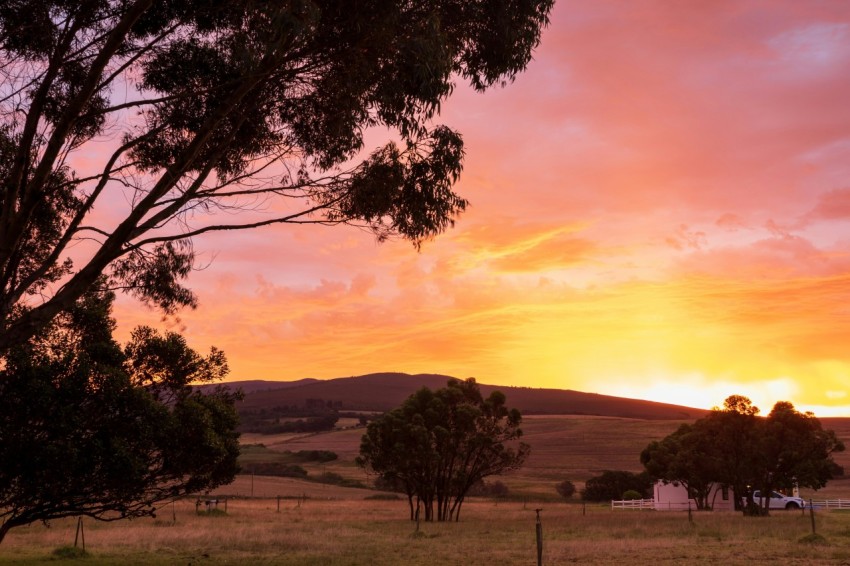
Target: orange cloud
x,y
657,210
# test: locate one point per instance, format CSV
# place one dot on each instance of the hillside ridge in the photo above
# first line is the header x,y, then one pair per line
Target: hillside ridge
x,y
385,391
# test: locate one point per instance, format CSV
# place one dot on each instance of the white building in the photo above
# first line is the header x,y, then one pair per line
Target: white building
x,y
674,497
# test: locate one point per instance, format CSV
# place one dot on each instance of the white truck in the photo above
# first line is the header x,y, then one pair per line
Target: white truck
x,y
779,501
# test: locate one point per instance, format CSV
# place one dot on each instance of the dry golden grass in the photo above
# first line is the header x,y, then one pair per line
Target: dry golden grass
x,y
337,526
376,533
562,447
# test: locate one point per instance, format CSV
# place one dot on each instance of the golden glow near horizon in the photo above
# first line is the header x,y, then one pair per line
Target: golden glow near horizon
x,y
660,210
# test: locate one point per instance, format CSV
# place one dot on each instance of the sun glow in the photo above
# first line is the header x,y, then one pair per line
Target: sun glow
x,y
666,222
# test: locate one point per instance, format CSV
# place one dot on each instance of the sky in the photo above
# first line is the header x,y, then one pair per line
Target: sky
x,y
659,210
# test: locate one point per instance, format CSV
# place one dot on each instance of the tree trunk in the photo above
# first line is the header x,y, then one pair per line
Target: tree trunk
x,y
4,528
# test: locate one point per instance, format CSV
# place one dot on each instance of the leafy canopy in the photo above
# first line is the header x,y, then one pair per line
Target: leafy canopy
x,y
735,447
87,428
221,115
439,444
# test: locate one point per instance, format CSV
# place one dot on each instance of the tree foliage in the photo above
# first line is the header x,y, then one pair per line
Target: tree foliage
x,y
214,106
612,484
439,444
565,489
87,428
735,447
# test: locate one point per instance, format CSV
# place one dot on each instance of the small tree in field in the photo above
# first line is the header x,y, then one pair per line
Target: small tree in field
x,y
439,444
566,489
89,429
690,456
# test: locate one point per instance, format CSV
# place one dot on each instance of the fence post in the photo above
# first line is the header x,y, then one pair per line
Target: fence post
x,y
812,514
539,529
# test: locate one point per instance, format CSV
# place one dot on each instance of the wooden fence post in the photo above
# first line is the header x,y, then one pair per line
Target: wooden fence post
x,y
812,514
539,529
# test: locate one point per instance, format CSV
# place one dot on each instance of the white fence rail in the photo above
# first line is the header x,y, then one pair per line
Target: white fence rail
x,y
639,504
633,504
830,504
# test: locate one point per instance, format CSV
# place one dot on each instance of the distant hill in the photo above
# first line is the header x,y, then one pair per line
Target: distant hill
x,y
260,385
385,391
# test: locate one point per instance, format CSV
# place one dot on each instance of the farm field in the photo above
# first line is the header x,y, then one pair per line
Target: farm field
x,y
376,533
324,524
563,447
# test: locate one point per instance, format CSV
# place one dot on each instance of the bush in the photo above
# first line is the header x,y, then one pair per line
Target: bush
x,y
383,497
632,495
276,469
391,483
566,489
334,478
69,552
612,484
491,489
320,456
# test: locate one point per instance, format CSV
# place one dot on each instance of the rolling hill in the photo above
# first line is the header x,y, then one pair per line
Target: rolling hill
x,y
385,391
573,435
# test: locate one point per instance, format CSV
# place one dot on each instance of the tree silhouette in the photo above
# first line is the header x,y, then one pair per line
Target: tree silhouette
x,y
87,428
213,107
439,444
735,447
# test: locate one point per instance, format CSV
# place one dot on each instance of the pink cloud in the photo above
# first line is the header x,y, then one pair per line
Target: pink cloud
x,y
668,177
832,205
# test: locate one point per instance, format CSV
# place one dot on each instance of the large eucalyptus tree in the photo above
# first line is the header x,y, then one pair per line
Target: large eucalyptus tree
x,y
210,107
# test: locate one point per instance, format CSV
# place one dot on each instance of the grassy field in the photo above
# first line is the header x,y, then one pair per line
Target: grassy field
x,y
321,524
563,447
375,533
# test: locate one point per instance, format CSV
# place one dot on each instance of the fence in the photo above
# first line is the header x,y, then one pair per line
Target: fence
x,y
832,504
639,504
633,504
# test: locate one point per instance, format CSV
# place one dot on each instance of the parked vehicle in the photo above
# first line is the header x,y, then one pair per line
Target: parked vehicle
x,y
779,501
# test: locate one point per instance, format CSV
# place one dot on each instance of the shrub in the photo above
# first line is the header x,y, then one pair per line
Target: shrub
x,y
390,483
320,456
334,478
612,484
488,489
383,497
277,469
631,495
69,552
566,489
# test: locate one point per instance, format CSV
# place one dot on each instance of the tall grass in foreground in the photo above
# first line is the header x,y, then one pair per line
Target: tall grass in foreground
x,y
375,533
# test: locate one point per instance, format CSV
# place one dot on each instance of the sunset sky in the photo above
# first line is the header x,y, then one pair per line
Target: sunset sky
x,y
660,210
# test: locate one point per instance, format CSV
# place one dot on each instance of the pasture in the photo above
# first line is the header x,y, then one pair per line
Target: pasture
x,y
322,524
563,447
336,532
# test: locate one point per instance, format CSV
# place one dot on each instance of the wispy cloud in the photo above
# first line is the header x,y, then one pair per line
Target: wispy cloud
x,y
659,205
